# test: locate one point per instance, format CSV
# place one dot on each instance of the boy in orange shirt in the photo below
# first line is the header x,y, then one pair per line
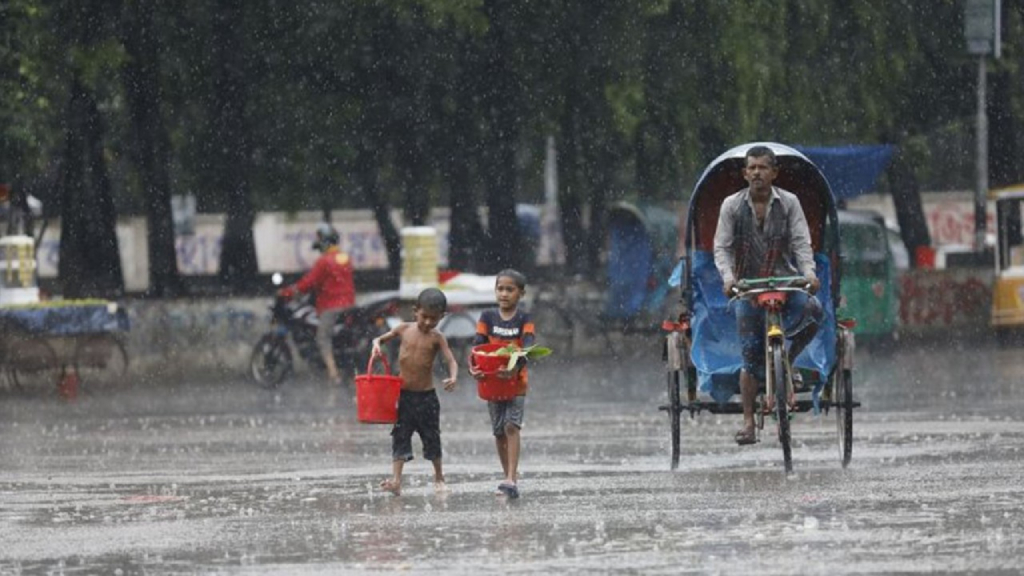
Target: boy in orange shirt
x,y
507,324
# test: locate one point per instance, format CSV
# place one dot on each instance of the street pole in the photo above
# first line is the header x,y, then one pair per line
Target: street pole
x,y
981,168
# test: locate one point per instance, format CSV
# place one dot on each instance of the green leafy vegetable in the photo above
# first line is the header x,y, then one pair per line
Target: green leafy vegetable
x,y
514,353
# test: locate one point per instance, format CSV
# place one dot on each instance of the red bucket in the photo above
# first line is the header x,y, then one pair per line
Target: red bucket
x,y
377,395
490,387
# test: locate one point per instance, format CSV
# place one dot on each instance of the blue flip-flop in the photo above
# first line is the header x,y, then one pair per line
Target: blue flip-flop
x,y
508,489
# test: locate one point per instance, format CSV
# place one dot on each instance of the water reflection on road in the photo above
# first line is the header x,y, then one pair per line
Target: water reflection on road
x,y
229,478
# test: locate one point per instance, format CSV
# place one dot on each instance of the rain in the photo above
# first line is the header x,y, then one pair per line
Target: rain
x,y
175,177
227,478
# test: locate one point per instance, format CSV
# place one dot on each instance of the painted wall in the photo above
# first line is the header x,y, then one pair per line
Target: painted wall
x,y
950,215
283,243
213,338
954,303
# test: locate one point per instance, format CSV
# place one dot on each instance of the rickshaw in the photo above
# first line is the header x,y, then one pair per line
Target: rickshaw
x,y
701,348
1008,286
870,277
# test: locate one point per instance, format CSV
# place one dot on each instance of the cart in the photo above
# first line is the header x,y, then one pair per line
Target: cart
x,y
701,348
63,345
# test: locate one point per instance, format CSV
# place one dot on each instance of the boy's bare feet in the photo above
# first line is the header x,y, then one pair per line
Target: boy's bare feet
x,y
389,485
441,488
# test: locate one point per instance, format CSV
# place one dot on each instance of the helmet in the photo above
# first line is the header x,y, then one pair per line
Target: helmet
x,y
325,237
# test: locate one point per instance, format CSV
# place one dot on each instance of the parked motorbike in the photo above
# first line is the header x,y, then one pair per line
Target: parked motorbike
x,y
272,362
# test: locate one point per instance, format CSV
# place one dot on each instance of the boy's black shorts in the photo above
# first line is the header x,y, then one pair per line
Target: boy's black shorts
x,y
418,412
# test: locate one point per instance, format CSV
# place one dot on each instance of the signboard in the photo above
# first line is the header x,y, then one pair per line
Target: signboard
x,y
981,27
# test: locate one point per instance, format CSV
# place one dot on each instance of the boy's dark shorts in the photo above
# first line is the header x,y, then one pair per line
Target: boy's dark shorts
x,y
418,412
506,413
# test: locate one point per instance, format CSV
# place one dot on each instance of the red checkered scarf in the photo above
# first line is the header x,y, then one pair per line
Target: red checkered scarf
x,y
757,253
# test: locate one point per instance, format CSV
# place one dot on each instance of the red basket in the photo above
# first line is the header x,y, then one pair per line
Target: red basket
x,y
490,387
377,395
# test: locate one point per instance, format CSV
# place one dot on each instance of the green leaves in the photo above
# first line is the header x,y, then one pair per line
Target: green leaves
x,y
514,353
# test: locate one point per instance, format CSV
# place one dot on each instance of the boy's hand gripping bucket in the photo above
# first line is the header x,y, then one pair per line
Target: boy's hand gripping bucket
x,y
377,395
491,387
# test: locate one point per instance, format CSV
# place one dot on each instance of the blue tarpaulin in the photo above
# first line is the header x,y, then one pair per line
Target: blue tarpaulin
x,y
718,360
850,170
641,251
70,320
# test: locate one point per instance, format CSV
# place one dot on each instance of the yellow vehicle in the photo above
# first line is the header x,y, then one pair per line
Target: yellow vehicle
x,y
1008,286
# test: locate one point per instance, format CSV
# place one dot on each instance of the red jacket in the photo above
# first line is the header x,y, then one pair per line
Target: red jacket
x,y
331,278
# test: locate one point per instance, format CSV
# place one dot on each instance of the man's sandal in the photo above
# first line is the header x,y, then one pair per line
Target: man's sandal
x,y
746,436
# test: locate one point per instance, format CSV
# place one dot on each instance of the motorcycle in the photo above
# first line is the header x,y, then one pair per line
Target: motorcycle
x,y
272,361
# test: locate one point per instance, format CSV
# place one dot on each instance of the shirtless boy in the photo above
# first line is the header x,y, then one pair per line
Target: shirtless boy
x,y
418,408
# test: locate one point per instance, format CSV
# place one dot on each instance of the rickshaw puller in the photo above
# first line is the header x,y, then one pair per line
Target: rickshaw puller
x,y
762,232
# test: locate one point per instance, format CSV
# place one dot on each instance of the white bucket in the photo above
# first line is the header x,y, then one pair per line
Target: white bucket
x,y
419,261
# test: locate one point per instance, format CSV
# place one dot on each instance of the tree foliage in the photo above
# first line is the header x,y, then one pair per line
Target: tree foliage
x,y
320,105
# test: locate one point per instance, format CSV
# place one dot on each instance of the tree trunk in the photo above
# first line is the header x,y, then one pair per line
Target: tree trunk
x,y
599,167
412,166
570,202
500,101
233,149
366,174
142,87
502,222
465,233
1004,153
90,262
906,199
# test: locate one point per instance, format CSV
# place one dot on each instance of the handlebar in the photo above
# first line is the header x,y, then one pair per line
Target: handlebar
x,y
752,286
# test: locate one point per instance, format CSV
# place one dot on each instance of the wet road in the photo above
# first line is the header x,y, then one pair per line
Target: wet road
x,y
226,478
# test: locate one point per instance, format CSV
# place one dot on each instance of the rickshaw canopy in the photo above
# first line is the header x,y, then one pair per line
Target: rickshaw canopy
x,y
716,347
642,241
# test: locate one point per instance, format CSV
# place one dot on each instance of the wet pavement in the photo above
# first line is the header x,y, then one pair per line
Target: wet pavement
x,y
227,478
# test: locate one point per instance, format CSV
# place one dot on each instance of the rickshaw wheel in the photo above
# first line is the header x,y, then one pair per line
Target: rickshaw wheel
x,y
842,396
779,389
674,409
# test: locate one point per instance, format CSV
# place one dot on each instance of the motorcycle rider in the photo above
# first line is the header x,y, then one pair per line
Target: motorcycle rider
x,y
331,279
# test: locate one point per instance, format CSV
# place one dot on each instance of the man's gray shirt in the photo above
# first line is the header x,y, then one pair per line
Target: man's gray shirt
x,y
799,235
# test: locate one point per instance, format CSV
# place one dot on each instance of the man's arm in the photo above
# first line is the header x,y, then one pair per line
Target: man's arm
x,y
800,241
725,259
313,278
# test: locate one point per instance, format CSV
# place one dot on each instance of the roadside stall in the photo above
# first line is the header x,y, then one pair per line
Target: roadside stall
x,y
57,343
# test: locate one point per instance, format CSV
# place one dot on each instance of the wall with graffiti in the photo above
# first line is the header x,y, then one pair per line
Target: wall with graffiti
x,y
284,242
213,338
952,303
198,338
950,215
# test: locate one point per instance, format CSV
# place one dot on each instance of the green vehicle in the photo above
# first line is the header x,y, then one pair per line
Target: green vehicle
x,y
870,290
